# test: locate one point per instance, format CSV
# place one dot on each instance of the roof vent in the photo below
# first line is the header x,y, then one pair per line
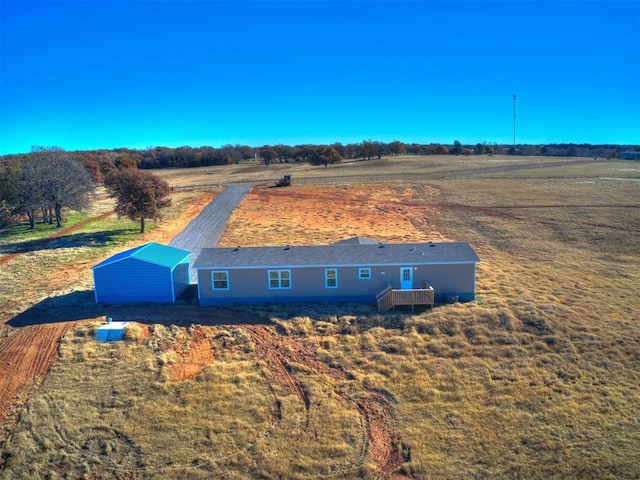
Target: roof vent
x,y
380,245
413,249
432,244
287,247
237,248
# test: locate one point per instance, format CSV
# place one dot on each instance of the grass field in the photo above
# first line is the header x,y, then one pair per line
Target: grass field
x,y
537,378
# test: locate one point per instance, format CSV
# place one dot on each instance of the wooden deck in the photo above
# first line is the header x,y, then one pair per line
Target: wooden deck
x,y
390,297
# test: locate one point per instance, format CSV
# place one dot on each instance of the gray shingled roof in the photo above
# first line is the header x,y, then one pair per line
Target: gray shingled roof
x,y
335,255
357,241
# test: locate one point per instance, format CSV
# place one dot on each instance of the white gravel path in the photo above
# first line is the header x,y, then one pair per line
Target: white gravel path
x,y
205,230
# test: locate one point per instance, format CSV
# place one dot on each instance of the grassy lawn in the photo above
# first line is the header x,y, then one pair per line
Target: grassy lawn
x,y
22,232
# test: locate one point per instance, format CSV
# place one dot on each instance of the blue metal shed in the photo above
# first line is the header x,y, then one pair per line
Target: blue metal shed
x,y
147,273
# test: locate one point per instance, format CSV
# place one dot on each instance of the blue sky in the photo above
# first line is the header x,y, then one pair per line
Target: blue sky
x,y
91,74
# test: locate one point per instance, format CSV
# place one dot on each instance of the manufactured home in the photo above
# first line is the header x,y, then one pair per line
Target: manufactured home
x,y
355,270
147,273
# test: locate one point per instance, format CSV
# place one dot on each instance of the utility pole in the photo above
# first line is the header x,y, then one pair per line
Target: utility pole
x,y
514,122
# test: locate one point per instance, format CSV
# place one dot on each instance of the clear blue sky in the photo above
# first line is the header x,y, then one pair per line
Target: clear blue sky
x,y
90,74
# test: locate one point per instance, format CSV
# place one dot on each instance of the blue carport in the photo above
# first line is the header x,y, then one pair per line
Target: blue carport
x,y
148,273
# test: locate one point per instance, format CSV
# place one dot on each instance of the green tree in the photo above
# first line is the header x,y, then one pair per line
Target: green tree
x,y
139,195
456,149
379,149
480,149
284,152
325,156
366,149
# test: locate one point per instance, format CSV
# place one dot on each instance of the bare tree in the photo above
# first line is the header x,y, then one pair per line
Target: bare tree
x,y
9,191
31,192
268,155
62,182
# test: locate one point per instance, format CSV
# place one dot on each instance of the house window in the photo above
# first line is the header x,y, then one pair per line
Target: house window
x,y
364,273
279,279
331,278
220,280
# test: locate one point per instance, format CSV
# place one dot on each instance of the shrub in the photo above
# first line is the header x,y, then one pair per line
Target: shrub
x,y
133,332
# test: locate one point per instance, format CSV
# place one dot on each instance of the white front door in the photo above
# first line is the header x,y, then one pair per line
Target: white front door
x,y
406,278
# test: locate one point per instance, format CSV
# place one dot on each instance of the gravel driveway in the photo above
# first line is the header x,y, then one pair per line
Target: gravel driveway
x,y
205,230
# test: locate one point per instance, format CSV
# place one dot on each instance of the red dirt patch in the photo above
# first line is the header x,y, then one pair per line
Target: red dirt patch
x,y
25,358
383,448
192,355
322,215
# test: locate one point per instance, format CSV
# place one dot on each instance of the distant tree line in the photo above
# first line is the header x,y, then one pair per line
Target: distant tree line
x,y
39,185
100,163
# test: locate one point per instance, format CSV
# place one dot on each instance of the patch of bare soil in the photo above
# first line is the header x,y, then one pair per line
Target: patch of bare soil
x,y
26,357
192,354
326,214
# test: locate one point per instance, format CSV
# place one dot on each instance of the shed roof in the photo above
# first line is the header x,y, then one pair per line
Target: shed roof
x,y
343,254
151,252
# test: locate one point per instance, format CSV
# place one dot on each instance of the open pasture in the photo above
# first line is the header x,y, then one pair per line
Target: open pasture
x,y
538,378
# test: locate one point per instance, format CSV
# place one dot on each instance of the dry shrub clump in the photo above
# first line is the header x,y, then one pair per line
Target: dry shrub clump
x,y
133,332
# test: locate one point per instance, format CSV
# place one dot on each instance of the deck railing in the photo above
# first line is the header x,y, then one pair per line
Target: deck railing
x,y
390,297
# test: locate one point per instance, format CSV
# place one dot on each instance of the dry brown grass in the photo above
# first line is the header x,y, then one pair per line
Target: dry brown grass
x,y
538,378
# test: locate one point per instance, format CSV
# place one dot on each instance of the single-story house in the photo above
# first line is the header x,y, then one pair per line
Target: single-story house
x,y
631,155
356,270
147,273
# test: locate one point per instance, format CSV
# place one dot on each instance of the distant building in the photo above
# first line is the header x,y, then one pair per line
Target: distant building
x,y
630,155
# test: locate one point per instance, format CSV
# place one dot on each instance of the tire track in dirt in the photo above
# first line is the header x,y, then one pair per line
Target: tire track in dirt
x,y
266,348
25,359
379,439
